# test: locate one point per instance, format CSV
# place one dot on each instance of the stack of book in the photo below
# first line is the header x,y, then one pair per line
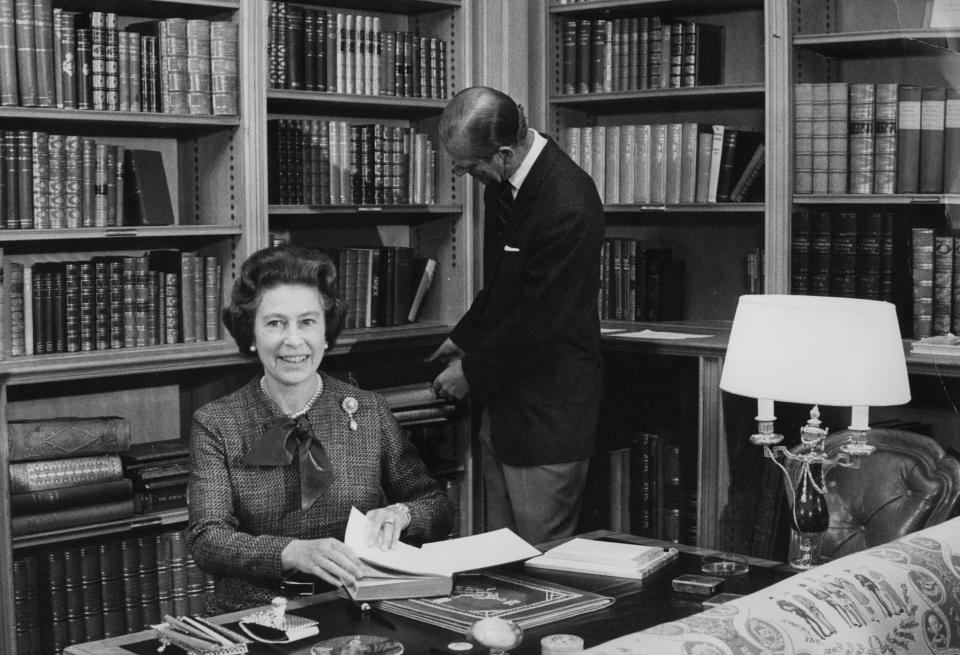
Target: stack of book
x,y
53,57
639,283
66,472
847,254
159,471
58,181
657,486
320,162
384,286
105,587
936,283
314,49
670,163
639,52
107,302
879,138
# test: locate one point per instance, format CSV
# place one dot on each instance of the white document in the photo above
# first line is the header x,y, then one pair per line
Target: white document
x,y
651,334
439,557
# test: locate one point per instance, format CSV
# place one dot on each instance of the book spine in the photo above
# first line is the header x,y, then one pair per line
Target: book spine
x,y
843,255
55,473
26,49
98,59
131,588
66,64
922,245
951,142
861,125
224,68
869,238
198,66
820,246
70,517
955,297
43,36
803,138
9,84
885,140
839,136
942,283
57,181
932,115
111,62
908,139
820,139
45,439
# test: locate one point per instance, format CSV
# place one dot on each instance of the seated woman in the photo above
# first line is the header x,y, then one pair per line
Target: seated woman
x,y
277,464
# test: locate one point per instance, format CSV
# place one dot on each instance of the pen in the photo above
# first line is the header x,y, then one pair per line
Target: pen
x,y
176,625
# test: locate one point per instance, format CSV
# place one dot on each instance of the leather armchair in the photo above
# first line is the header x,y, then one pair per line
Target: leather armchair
x,y
907,484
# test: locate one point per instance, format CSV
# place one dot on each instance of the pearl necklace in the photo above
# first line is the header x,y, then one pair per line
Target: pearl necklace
x,y
310,403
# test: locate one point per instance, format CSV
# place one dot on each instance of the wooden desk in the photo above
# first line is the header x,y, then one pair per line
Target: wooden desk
x,y
638,605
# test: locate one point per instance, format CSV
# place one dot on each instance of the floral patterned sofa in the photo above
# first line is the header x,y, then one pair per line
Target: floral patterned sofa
x,y
900,597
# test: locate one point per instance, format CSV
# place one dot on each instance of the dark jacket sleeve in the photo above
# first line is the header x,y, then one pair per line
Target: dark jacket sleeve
x,y
557,293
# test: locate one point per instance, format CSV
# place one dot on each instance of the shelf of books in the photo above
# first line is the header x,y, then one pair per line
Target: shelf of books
x,y
354,164
354,94
876,150
123,217
629,95
664,105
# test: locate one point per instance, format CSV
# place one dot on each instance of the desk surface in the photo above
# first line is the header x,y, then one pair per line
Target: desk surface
x,y
638,605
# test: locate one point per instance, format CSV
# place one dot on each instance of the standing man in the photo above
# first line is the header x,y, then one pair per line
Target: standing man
x,y
529,346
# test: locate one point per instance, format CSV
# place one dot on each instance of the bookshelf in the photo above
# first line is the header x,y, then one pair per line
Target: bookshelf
x,y
712,239
218,178
157,386
882,43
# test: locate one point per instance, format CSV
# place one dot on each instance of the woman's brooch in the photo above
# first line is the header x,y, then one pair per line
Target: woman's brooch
x,y
350,406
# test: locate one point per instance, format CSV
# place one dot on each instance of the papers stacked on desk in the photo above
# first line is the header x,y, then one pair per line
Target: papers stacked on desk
x,y
605,558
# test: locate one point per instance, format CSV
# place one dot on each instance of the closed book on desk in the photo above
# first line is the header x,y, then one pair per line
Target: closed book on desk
x,y
407,572
526,601
607,558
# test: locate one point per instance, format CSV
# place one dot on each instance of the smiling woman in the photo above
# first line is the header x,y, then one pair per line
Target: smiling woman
x,y
277,465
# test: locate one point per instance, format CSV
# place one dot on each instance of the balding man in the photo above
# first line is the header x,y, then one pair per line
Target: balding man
x,y
528,348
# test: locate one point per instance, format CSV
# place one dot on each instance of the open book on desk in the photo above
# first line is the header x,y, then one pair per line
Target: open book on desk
x,y
409,572
619,560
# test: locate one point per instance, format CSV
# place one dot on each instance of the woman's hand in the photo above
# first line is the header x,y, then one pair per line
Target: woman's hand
x,y
386,524
328,559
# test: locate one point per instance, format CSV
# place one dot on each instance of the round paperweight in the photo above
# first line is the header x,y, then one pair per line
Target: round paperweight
x,y
725,564
499,635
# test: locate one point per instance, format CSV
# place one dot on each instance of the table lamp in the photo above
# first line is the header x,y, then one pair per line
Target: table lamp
x,y
814,350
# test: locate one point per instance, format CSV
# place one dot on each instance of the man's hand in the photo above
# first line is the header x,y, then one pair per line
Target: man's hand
x,y
451,383
447,352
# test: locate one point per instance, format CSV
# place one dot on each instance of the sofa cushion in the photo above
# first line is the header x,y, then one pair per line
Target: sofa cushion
x,y
899,597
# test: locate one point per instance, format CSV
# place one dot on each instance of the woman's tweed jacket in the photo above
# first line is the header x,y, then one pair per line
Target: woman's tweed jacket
x,y
242,517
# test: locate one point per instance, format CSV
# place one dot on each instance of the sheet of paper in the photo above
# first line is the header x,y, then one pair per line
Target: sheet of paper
x,y
439,557
604,330
651,334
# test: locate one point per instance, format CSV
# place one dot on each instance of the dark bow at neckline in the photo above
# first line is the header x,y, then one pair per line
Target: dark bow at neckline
x,y
288,438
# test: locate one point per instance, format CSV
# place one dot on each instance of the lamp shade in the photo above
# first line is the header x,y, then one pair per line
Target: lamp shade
x,y
815,349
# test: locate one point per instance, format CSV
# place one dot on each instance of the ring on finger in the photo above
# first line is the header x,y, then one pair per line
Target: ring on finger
x,y
390,521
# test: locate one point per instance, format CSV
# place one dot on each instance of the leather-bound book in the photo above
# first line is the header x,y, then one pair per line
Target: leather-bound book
x,y
147,196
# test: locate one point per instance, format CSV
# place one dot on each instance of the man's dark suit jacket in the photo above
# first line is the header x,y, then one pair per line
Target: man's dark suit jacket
x,y
532,335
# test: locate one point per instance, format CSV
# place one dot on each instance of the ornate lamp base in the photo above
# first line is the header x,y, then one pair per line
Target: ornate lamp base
x,y
808,555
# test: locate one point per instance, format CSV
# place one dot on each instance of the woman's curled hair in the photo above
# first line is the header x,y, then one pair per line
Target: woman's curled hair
x,y
271,267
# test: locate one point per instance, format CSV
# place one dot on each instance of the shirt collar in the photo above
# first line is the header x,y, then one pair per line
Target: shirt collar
x,y
519,175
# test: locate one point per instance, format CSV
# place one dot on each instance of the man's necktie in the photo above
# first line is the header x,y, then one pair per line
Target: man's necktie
x,y
504,205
